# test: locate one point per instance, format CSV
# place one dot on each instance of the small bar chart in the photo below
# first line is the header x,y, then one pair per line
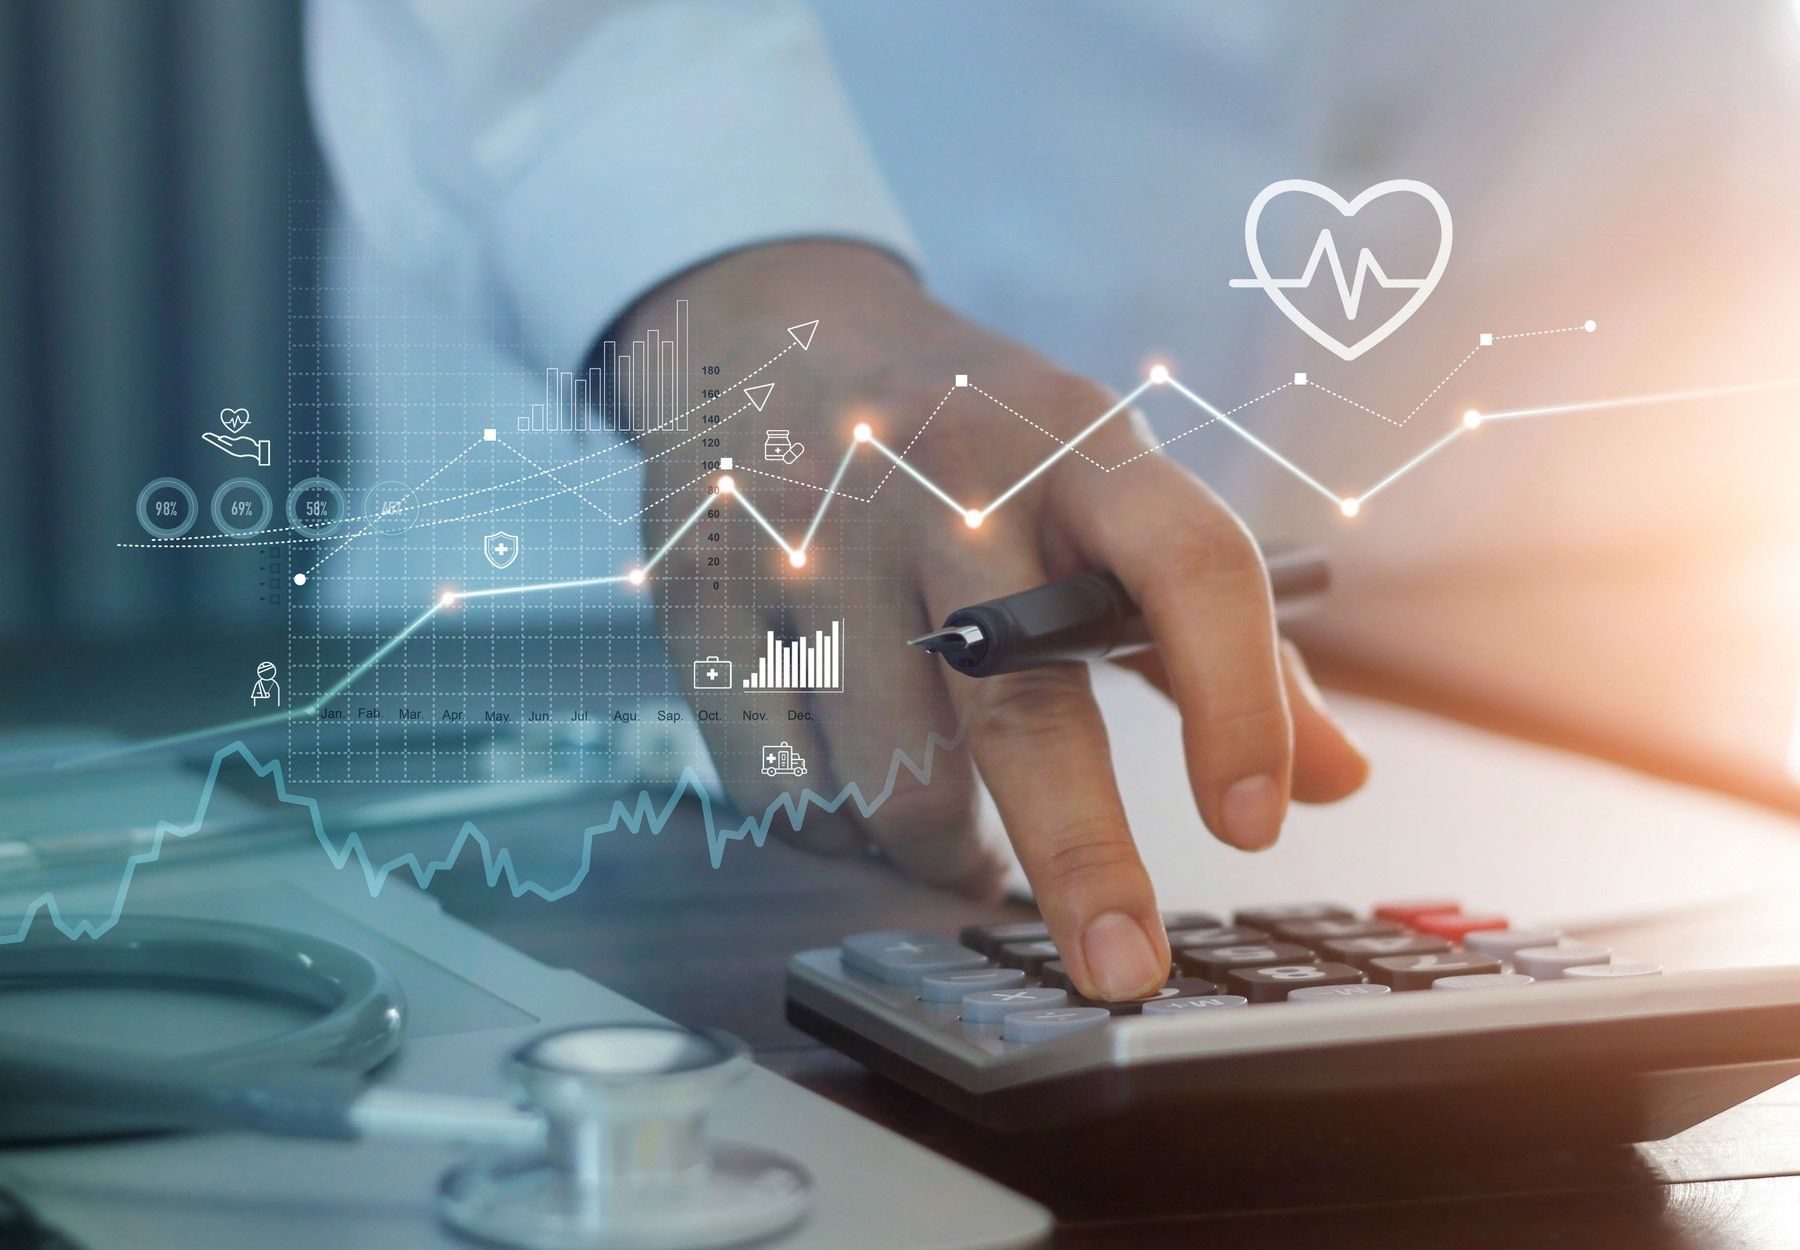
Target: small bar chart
x,y
636,387
815,665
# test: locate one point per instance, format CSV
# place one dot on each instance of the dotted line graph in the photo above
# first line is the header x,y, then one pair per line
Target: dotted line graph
x,y
724,488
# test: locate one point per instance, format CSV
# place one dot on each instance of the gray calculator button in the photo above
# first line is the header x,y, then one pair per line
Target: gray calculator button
x,y
1552,961
901,958
1035,1026
1483,981
1183,1006
1332,993
949,987
1600,972
1504,943
988,1006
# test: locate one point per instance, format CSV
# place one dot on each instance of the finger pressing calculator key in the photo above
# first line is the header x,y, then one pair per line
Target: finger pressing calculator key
x,y
1178,987
1539,1038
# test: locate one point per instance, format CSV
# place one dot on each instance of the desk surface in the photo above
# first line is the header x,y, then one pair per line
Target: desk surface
x,y
707,947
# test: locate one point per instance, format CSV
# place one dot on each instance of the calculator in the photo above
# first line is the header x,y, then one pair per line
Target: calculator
x,y
1420,1016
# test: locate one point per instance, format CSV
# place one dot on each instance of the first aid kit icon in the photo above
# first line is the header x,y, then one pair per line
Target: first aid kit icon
x,y
712,673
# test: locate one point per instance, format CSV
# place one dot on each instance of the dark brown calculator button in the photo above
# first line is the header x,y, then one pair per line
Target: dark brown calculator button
x,y
1173,920
988,938
1273,982
1417,972
1269,917
1313,932
1358,951
1215,935
1027,955
1215,963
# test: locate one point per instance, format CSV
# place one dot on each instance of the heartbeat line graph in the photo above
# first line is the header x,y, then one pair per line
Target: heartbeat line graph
x,y
1349,290
641,813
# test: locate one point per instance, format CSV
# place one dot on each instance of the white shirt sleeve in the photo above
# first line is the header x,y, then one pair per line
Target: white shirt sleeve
x,y
557,160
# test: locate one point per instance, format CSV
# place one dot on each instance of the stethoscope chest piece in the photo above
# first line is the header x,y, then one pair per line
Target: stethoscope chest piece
x,y
626,1163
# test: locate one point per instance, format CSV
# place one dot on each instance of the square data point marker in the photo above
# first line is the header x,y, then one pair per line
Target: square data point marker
x,y
962,379
490,435
725,462
1487,340
1299,379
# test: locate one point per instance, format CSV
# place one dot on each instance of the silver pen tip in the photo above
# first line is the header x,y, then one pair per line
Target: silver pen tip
x,y
937,641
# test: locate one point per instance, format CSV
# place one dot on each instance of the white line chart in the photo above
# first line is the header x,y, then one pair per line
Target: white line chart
x,y
725,488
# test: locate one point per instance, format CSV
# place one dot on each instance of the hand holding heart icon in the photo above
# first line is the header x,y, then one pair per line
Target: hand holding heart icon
x,y
1325,252
234,419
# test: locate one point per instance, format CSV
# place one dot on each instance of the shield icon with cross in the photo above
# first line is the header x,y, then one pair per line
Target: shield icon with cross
x,y
500,548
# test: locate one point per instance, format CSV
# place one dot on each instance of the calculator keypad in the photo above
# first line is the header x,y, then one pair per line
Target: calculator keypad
x,y
1008,981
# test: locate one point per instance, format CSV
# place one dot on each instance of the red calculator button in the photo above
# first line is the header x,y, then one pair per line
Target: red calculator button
x,y
1408,911
1456,926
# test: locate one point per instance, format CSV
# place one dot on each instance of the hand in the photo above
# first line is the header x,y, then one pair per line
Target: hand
x,y
243,447
1254,729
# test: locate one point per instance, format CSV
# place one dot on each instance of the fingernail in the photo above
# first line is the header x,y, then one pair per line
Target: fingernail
x,y
1252,813
1120,958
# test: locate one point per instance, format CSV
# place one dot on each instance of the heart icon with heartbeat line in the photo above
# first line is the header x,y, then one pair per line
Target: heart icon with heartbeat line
x,y
1350,289
234,419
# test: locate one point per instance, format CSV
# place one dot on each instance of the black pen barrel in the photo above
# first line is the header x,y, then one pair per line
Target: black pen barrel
x,y
1089,616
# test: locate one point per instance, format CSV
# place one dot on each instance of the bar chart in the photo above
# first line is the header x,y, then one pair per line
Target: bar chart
x,y
815,665
636,387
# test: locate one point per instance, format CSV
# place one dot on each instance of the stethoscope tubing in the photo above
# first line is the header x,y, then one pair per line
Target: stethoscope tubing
x,y
301,1081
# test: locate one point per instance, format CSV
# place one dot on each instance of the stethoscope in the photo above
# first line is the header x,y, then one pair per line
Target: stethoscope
x,y
608,1149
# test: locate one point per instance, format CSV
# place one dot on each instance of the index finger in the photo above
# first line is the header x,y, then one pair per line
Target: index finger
x,y
1040,744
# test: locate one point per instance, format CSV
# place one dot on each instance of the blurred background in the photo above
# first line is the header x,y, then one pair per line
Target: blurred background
x,y
1627,585
149,155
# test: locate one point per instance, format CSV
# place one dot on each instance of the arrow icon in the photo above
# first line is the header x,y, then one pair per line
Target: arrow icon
x,y
803,333
759,395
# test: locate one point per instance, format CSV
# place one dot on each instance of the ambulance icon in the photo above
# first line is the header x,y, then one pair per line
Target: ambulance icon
x,y
782,759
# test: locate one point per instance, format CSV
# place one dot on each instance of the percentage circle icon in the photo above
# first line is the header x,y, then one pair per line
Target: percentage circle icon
x,y
316,506
384,508
241,515
157,511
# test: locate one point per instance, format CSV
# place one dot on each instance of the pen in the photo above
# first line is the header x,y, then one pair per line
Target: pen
x,y
1085,617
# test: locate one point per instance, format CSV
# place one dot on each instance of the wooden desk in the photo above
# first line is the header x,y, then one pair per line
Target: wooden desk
x,y
708,948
